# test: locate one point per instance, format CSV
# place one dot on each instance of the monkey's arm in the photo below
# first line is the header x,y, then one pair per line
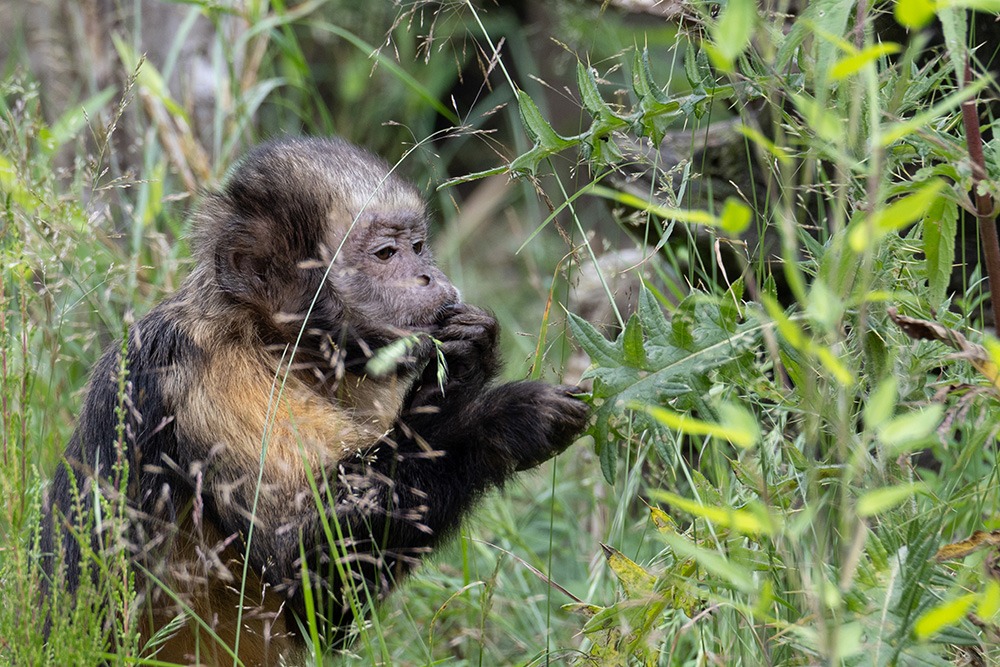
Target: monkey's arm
x,y
447,449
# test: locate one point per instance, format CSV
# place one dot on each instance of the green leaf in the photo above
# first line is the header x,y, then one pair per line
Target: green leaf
x,y
881,403
940,227
537,127
898,130
75,119
642,79
675,360
988,607
885,498
713,562
828,125
635,354
731,33
12,184
387,358
651,314
657,110
598,348
908,431
590,95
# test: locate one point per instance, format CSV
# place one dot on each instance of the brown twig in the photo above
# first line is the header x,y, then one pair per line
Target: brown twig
x,y
984,203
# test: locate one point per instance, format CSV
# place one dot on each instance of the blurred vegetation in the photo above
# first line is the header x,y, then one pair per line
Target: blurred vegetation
x,y
793,458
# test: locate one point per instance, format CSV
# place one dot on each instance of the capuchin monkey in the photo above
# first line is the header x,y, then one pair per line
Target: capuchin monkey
x,y
313,407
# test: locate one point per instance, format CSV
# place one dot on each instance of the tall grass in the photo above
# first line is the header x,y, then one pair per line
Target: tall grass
x,y
775,462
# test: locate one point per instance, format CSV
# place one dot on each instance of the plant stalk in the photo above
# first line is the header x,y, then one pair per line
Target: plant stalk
x,y
984,203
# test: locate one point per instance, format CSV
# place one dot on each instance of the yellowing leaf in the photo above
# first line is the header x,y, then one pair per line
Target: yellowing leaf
x,y
663,521
742,521
634,579
943,615
902,212
914,14
584,608
988,607
738,435
848,65
735,216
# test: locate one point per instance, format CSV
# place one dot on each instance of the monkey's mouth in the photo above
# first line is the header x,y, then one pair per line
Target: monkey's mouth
x,y
433,321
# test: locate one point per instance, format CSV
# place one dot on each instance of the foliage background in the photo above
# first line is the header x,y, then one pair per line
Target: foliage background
x,y
774,462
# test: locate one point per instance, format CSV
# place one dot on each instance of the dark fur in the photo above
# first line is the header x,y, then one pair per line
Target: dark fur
x,y
398,460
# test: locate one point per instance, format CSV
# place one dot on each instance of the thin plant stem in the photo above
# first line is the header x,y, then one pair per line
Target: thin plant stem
x,y
984,203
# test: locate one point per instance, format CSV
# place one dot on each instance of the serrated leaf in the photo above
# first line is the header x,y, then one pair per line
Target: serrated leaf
x,y
651,314
537,127
590,94
600,350
679,355
642,79
632,346
636,582
940,227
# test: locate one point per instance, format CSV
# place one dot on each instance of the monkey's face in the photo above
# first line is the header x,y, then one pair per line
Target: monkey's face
x,y
293,206
385,276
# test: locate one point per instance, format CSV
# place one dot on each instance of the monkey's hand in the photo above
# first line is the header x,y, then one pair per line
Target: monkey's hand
x,y
468,337
530,422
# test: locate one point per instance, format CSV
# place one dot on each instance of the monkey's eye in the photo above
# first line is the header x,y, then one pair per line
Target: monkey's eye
x,y
418,247
385,253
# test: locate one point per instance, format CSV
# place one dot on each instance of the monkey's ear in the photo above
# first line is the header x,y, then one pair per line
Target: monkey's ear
x,y
244,258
